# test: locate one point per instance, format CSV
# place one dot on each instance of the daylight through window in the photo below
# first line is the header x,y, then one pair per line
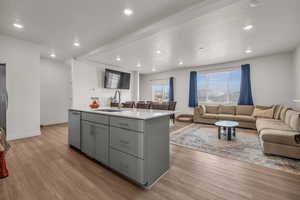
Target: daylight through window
x,y
160,91
219,87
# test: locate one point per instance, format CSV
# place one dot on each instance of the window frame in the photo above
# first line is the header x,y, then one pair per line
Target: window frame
x,y
204,72
162,82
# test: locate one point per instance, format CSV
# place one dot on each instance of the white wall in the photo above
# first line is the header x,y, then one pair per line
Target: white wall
x,y
55,91
23,83
296,77
87,81
271,80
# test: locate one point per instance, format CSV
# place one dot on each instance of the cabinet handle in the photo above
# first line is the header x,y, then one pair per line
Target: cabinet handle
x,y
123,124
124,142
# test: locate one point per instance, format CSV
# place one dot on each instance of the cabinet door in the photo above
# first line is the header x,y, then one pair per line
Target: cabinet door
x,y
127,165
74,129
130,142
87,139
101,143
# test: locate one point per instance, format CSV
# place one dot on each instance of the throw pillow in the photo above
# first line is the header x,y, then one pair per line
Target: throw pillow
x,y
295,121
283,112
266,113
263,107
277,111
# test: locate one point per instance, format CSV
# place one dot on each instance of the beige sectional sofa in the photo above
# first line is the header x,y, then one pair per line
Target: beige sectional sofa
x,y
279,134
212,114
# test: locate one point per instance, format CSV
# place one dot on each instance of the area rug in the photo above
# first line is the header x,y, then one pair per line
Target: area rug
x,y
178,126
245,147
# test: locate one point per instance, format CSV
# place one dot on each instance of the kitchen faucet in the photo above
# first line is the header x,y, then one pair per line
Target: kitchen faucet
x,y
119,95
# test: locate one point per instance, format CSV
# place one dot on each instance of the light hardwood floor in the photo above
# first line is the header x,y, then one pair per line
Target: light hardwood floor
x,y
44,167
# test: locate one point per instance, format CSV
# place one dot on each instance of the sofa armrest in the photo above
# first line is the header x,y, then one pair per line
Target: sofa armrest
x,y
199,110
297,138
281,137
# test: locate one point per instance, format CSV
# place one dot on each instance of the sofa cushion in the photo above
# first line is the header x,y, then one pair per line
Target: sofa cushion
x,y
212,109
262,124
295,121
288,116
226,117
227,110
210,116
283,112
244,118
277,111
280,137
263,113
244,110
263,107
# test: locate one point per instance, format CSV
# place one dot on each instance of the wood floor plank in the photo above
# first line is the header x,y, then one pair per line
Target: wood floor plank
x,y
44,167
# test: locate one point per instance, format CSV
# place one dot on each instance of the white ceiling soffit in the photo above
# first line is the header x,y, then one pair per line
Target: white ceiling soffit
x,y
217,26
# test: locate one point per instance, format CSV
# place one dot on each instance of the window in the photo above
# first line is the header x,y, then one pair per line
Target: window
x,y
219,87
160,91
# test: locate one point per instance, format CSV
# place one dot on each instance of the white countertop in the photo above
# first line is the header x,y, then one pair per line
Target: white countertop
x,y
128,112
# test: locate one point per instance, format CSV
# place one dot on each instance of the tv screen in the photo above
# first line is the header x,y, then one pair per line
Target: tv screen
x,y
116,79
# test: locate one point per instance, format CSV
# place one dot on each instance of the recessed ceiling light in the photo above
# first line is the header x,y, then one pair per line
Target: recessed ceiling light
x,y
138,65
180,63
248,51
254,3
18,25
118,58
52,55
128,12
200,49
76,44
153,69
158,52
248,27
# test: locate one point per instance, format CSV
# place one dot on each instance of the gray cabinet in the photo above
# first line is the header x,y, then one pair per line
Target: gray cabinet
x,y
95,141
138,149
127,165
127,141
87,139
132,124
101,143
92,117
74,128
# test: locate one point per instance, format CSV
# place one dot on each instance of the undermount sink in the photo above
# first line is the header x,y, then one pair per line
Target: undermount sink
x,y
109,110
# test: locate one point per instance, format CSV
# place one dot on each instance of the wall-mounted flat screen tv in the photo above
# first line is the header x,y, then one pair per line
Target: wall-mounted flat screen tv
x,y
116,79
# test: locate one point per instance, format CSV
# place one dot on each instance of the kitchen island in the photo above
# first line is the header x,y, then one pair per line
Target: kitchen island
x,y
132,142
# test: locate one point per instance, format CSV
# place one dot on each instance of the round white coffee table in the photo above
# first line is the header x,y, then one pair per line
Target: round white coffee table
x,y
228,128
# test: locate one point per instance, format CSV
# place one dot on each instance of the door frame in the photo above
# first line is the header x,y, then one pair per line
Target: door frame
x,y
5,120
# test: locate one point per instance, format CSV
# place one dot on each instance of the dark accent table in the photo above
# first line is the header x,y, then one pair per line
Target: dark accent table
x,y
227,128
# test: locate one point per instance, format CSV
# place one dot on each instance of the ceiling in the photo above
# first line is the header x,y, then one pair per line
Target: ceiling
x,y
194,32
56,24
219,32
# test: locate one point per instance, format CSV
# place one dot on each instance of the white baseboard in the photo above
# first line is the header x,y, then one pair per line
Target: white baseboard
x,y
21,135
53,123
